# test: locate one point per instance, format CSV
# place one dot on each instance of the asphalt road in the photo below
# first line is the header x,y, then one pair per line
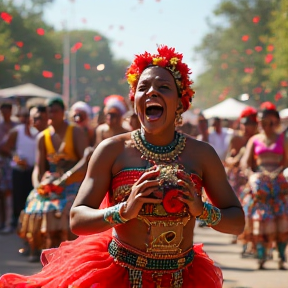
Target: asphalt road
x,y
238,272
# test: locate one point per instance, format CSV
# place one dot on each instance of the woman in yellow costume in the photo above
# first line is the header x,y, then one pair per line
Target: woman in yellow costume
x,y
45,220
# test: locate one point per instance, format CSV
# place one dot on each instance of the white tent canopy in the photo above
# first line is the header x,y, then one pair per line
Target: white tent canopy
x,y
284,113
26,90
227,109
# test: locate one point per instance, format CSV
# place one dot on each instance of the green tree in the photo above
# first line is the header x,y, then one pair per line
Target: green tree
x,y
235,53
279,27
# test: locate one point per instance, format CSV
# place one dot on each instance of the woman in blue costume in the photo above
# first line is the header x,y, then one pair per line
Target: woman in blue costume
x,y
45,221
140,232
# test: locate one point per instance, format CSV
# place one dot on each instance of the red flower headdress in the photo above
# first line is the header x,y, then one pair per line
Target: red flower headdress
x,y
166,58
267,106
248,114
248,111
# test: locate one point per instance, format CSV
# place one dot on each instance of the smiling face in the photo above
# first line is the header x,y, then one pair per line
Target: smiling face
x,y
156,99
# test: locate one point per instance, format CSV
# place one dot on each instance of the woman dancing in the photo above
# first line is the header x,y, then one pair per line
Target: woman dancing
x,y
154,178
267,213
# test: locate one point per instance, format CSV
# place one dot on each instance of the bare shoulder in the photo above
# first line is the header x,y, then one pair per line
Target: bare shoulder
x,y
114,144
196,145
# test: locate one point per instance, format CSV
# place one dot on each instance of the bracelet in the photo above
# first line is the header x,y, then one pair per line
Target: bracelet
x,y
211,215
112,215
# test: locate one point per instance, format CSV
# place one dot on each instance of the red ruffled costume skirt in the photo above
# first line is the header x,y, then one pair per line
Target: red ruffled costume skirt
x,y
86,263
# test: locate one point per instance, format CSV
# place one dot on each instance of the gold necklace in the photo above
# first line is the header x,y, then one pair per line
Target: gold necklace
x,y
149,154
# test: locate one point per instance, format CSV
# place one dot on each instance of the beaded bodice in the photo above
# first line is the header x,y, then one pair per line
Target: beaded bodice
x,y
123,181
165,221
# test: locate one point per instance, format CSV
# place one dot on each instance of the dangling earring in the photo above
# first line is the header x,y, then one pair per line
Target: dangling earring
x,y
178,119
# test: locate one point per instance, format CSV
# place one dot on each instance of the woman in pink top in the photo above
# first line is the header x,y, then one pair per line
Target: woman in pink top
x,y
264,160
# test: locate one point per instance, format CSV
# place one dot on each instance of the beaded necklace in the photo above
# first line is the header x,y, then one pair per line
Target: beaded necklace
x,y
159,153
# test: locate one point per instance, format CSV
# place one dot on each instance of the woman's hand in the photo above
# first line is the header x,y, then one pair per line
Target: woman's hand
x,y
140,193
189,194
48,178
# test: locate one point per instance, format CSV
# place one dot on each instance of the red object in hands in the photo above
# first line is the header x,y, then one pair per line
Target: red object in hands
x,y
171,203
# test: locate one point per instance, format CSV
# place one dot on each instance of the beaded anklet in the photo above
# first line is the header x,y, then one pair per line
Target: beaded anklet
x,y
210,216
112,215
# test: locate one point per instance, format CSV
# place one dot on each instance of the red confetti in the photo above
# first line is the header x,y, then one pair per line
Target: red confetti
x,y
270,48
58,56
87,66
29,55
76,47
268,58
248,70
58,85
20,44
84,20
249,51
17,67
6,17
2,58
284,83
121,27
40,31
258,48
257,90
278,96
245,38
256,19
47,74
97,38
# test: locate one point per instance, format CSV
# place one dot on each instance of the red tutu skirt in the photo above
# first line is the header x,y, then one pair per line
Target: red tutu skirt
x,y
86,263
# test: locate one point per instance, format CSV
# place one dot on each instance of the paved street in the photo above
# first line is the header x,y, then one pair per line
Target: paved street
x,y
238,272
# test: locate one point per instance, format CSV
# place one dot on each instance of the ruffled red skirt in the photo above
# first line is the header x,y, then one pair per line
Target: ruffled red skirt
x,y
86,263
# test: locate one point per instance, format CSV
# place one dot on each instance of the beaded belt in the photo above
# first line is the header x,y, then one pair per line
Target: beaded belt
x,y
134,259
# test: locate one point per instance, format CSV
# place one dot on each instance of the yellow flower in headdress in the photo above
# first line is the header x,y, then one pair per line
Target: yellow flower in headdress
x,y
131,78
174,61
156,61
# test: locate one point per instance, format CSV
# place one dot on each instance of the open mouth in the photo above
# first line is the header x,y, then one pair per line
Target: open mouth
x,y
153,111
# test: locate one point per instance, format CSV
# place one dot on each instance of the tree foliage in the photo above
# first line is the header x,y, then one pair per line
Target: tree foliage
x,y
32,51
241,54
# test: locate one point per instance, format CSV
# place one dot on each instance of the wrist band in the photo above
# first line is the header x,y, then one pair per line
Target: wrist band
x,y
211,215
113,215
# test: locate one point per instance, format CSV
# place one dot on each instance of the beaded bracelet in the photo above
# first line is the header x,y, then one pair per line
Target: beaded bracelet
x,y
113,215
211,215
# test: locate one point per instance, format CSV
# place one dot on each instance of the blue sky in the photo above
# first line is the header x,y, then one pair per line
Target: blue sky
x,y
134,26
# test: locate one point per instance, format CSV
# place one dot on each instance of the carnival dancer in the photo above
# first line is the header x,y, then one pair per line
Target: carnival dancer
x,y
268,216
45,220
236,177
154,177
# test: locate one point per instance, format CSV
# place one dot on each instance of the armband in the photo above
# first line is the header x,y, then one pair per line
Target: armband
x,y
211,215
113,215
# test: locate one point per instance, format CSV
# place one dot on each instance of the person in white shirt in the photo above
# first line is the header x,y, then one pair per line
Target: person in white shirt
x,y
220,138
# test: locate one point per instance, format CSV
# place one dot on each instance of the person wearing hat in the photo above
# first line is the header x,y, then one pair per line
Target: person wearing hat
x,y
114,110
80,114
237,179
45,219
268,213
